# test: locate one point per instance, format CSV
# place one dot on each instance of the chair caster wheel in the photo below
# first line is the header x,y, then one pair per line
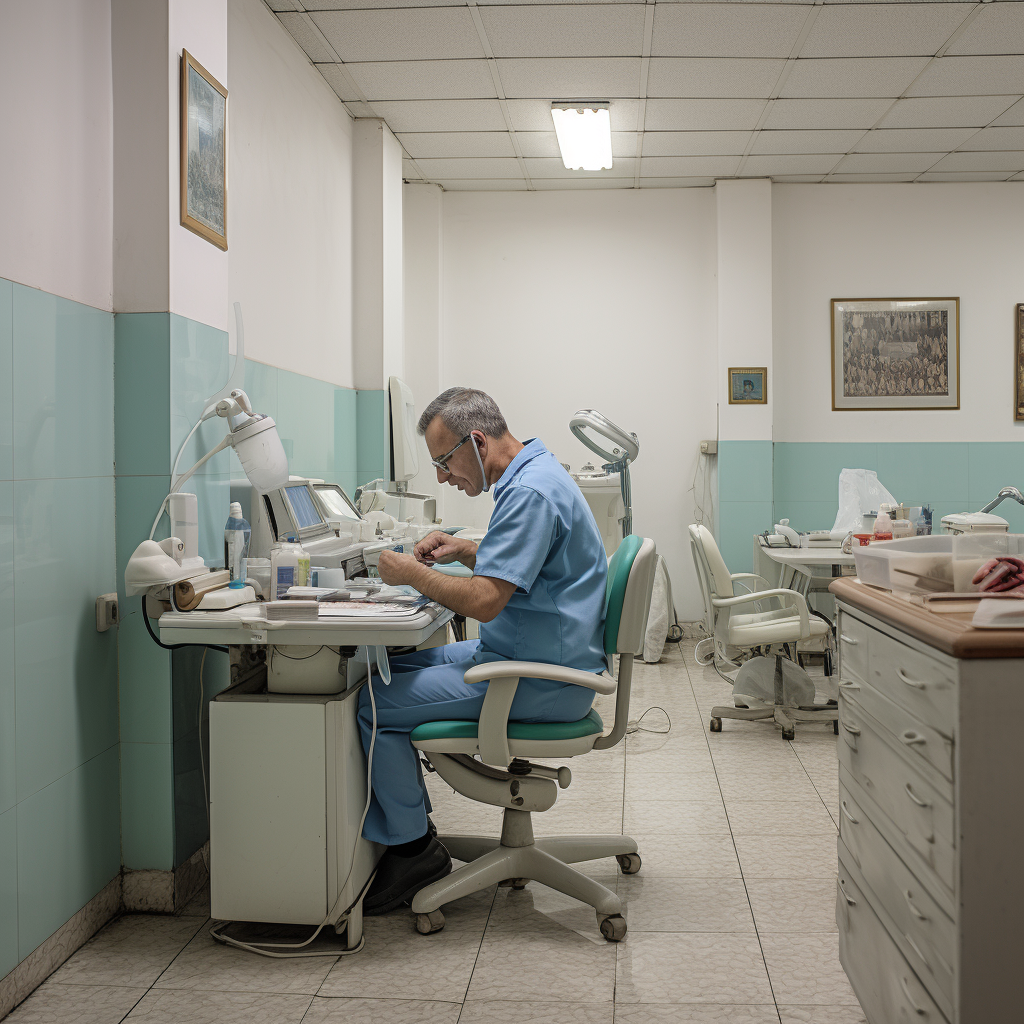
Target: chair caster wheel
x,y
517,884
629,863
613,927
427,924
835,727
789,734
716,725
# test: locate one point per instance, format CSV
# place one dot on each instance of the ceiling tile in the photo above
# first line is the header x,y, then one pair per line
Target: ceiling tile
x,y
416,34
545,144
997,28
852,76
825,113
340,81
343,5
535,115
760,166
822,141
913,140
492,167
456,144
300,29
695,143
887,163
797,179
869,179
483,185
570,78
967,176
1013,161
697,115
1013,116
713,77
609,30
424,80
726,29
945,112
689,166
676,182
883,30
994,138
548,167
441,115
575,184
410,171
972,76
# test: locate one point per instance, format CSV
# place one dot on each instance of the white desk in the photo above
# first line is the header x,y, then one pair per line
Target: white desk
x,y
796,564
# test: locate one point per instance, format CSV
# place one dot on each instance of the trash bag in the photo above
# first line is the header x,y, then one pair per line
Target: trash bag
x,y
661,615
860,491
755,684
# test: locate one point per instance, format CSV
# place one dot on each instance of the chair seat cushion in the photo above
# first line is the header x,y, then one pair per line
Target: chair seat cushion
x,y
462,730
764,628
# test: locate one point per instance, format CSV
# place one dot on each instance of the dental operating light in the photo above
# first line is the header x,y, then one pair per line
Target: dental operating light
x,y
584,133
619,448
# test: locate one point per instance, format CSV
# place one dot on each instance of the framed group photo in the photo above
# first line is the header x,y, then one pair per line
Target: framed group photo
x,y
896,354
204,159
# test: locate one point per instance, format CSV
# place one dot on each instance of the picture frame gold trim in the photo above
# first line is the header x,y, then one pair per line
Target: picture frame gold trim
x,y
738,370
188,221
1018,408
878,403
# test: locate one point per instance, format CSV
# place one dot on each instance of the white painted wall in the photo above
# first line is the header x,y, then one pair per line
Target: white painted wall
x,y
56,218
559,301
846,241
290,201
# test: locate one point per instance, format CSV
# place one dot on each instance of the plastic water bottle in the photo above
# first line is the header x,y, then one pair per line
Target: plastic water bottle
x,y
236,546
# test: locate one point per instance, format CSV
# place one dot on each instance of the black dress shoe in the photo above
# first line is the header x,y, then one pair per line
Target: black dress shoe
x,y
398,879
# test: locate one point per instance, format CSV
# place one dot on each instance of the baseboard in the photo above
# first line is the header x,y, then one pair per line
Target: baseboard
x,y
66,940
165,892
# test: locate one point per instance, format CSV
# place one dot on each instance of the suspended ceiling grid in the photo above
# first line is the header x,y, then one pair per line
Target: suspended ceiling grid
x,y
797,91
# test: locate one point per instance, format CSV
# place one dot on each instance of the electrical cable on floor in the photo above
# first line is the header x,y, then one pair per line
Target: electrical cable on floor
x,y
635,726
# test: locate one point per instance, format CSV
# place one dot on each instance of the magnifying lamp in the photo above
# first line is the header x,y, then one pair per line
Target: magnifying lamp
x,y
612,443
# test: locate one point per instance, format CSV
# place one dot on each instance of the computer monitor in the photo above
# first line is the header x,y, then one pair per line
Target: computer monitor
x,y
305,515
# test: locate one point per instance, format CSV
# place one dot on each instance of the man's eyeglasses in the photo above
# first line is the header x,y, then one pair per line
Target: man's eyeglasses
x,y
441,462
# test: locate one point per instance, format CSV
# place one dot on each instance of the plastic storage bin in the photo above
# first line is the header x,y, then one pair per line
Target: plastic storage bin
x,y
922,564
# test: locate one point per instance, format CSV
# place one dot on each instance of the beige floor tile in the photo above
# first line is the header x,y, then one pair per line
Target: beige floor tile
x,y
771,817
805,969
793,905
686,856
787,856
676,817
685,904
397,959
503,1012
539,908
822,1015
788,785
161,1006
132,951
694,1013
380,1011
691,967
199,905
581,820
686,785
84,1004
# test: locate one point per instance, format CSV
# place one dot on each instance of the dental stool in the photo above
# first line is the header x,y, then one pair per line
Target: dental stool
x,y
505,777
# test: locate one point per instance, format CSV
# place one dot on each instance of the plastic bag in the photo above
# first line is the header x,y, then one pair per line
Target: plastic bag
x,y
660,617
755,684
860,491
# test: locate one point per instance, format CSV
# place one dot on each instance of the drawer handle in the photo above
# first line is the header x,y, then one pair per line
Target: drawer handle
x,y
851,640
919,1010
914,946
913,796
913,909
849,816
846,896
847,685
853,730
909,737
916,684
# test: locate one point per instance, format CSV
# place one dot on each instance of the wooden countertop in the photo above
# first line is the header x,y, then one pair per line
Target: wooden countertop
x,y
950,632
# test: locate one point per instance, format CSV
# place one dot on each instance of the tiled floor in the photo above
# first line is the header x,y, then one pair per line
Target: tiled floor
x,y
731,918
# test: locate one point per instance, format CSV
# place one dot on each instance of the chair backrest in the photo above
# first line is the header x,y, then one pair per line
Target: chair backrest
x,y
628,595
719,579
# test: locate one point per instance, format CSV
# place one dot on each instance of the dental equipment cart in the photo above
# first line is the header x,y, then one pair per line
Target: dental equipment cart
x,y
288,774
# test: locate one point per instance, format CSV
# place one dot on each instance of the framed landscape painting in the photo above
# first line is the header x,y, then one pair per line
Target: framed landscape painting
x,y
204,182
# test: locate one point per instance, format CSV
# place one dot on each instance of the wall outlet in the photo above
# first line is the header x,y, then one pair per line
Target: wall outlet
x,y
709,447
106,612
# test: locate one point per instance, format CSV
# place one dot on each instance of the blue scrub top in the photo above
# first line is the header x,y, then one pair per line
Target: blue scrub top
x,y
543,538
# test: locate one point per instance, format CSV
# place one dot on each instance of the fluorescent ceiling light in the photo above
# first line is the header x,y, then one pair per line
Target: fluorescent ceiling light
x,y
584,135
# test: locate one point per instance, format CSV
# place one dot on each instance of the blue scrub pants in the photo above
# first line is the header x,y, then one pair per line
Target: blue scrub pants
x,y
427,686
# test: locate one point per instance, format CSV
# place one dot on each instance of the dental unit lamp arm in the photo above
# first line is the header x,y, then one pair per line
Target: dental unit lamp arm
x,y
624,449
1006,492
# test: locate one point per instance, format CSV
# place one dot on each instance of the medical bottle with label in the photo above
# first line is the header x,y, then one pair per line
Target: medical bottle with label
x,y
236,546
303,575
284,569
883,524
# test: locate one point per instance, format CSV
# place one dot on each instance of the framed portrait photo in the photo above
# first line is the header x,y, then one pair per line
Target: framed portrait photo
x,y
1018,405
204,158
748,385
896,353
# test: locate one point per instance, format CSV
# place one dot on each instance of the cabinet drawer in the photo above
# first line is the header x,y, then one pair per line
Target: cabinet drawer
x,y
916,922
924,744
924,686
854,646
888,989
916,807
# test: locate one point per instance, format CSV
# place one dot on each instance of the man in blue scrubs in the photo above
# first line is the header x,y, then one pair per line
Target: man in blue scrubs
x,y
537,589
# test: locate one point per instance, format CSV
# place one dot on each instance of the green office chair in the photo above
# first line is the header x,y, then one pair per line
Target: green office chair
x,y
522,787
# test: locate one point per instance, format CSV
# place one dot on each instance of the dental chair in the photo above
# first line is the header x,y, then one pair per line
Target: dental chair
x,y
737,630
504,776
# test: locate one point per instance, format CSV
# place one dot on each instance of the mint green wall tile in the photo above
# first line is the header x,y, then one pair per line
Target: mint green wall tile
x,y
346,442
991,467
305,417
214,493
144,673
8,891
373,442
65,671
744,470
6,380
68,847
924,472
137,500
63,387
8,769
738,521
807,515
142,393
147,806
261,387
809,471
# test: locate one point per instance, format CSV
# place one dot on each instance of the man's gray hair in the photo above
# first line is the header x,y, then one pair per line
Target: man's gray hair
x,y
463,410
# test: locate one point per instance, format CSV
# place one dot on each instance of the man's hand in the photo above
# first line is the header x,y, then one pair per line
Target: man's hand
x,y
395,569
441,548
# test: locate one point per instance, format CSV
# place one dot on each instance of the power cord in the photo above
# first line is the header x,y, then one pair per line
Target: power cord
x,y
635,726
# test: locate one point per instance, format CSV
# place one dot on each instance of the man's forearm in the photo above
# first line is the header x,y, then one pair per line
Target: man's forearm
x,y
457,593
468,559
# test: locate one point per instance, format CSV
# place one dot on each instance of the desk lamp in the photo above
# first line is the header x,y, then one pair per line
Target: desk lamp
x,y
596,431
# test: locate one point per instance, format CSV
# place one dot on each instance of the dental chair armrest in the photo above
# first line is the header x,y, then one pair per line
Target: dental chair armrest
x,y
748,576
785,597
502,678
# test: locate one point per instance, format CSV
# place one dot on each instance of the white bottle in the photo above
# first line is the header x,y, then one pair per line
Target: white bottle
x,y
883,524
284,569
